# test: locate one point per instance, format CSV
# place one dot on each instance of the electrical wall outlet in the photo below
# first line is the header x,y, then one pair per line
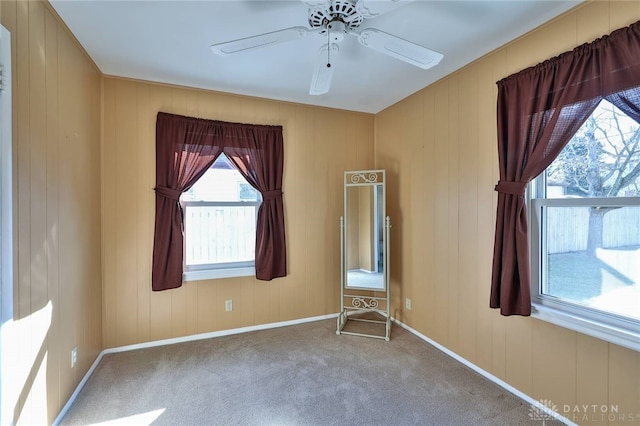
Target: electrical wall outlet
x,y
74,356
407,303
228,305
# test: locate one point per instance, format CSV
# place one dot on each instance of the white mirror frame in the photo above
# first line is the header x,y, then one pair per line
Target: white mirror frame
x,y
362,302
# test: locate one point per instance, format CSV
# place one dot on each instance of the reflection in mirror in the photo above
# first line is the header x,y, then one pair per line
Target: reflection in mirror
x,y
364,233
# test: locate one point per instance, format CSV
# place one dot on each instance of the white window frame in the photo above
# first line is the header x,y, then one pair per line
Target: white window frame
x,y
612,328
219,270
7,401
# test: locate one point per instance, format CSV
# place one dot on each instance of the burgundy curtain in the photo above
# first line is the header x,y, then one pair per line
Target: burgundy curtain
x,y
260,161
185,148
539,110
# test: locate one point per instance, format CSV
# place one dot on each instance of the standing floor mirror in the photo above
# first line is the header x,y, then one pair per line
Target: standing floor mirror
x,y
364,257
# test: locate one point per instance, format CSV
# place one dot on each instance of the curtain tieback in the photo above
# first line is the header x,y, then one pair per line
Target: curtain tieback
x,y
172,194
508,187
270,195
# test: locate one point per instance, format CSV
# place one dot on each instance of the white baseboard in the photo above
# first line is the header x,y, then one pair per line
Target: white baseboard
x,y
488,376
212,334
163,342
75,393
240,330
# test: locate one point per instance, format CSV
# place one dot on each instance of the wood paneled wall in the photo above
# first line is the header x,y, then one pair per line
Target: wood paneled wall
x,y
84,218
439,149
57,274
319,144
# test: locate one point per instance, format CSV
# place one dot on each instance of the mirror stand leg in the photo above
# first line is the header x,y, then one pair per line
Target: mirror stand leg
x,y
342,320
387,337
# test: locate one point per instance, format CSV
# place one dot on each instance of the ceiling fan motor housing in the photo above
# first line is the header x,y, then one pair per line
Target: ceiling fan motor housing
x,y
338,19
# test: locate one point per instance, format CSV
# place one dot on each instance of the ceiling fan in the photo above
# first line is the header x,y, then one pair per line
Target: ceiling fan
x,y
334,19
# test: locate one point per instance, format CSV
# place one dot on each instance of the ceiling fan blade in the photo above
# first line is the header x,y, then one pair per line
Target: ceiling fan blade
x,y
317,4
372,8
399,48
321,80
258,41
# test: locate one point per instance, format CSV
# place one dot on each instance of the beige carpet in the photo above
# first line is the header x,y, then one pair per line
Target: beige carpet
x,y
297,375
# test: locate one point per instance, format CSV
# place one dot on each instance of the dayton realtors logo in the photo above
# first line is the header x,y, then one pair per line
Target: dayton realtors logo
x,y
545,410
584,413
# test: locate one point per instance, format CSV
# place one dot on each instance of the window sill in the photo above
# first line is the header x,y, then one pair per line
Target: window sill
x,y
626,338
212,274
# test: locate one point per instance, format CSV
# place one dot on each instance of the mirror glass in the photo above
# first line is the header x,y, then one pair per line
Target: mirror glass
x,y
364,235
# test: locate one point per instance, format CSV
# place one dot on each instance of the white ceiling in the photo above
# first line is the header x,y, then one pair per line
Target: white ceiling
x,y
169,41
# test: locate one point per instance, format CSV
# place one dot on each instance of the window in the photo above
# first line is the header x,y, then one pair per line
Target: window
x,y
220,212
585,231
186,147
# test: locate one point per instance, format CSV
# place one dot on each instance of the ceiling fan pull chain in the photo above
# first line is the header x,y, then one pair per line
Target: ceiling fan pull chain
x,y
329,45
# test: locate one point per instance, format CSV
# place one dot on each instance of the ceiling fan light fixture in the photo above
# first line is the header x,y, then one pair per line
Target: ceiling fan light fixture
x,y
336,31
